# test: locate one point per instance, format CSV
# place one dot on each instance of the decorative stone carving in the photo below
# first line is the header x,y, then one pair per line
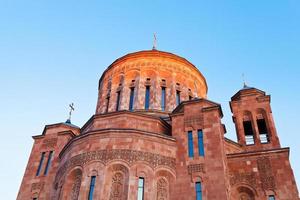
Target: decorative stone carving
x,y
196,168
265,171
37,186
129,156
120,168
76,187
191,121
245,196
162,189
117,187
49,143
248,178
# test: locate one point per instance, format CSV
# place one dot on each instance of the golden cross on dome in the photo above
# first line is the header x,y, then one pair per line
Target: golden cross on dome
x,y
154,41
71,110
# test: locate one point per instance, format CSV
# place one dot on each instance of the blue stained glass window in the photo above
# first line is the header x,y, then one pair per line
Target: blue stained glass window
x,y
163,98
141,189
198,191
131,99
190,144
147,97
41,164
48,163
92,187
177,97
118,100
200,143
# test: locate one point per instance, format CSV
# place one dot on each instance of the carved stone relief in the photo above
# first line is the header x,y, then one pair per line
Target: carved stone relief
x,y
129,156
265,172
117,187
193,121
37,186
162,189
196,168
248,178
49,143
76,187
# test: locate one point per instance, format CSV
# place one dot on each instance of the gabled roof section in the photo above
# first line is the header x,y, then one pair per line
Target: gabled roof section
x,y
50,126
247,91
209,105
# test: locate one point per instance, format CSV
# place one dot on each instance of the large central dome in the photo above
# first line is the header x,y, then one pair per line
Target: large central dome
x,y
149,81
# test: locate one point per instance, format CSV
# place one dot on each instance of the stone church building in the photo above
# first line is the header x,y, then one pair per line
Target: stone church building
x,y
155,135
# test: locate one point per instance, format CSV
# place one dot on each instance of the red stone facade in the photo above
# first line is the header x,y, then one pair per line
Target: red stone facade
x,y
171,138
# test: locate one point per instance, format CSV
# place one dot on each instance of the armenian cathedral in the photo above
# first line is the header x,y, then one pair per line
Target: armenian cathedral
x,y
156,136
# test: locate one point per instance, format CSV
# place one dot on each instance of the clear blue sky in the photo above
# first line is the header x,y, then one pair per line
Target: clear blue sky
x,y
54,52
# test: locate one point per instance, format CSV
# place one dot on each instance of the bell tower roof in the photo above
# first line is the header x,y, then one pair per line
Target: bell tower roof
x,y
247,91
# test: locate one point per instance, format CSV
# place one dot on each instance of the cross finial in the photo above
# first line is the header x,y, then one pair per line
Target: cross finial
x,y
70,112
154,41
244,81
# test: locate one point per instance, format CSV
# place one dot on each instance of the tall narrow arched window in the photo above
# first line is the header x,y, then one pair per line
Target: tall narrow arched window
x,y
131,98
40,164
107,104
249,134
163,98
262,126
190,144
248,129
263,132
92,187
198,188
177,97
118,100
48,163
200,143
147,97
141,185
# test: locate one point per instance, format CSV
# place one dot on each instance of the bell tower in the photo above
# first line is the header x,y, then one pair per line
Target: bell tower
x,y
253,119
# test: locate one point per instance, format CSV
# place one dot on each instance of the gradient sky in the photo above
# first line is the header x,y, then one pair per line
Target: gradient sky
x,y
54,52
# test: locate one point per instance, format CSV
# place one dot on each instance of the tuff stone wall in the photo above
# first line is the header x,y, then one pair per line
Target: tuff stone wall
x,y
209,169
117,155
53,138
149,68
260,174
118,147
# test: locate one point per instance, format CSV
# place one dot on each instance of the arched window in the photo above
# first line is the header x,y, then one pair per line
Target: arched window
x,y
141,188
118,100
163,98
248,130
198,188
131,98
262,126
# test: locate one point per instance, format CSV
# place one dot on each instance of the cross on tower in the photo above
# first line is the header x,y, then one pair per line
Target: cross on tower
x,y
70,112
244,81
154,41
